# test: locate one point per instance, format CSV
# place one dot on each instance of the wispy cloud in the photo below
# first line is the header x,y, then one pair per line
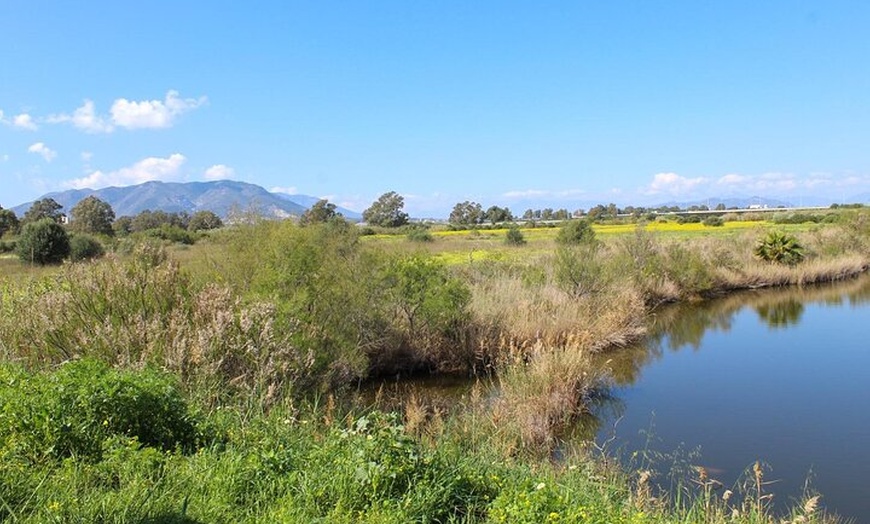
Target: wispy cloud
x,y
289,190
42,150
673,184
151,168
24,121
539,193
219,172
21,121
130,114
85,118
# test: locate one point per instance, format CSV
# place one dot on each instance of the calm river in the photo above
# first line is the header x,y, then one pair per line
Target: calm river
x,y
780,376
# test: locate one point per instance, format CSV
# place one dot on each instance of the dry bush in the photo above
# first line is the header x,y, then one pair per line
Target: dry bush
x,y
143,311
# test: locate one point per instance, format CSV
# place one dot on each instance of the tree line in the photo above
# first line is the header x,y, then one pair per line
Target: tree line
x,y
46,235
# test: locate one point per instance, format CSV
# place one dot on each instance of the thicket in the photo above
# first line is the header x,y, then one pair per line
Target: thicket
x,y
84,247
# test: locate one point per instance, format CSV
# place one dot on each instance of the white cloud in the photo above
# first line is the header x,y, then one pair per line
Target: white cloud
x,y
539,193
42,150
4,158
290,190
130,114
219,172
152,113
24,121
731,179
86,156
673,184
151,168
84,118
527,193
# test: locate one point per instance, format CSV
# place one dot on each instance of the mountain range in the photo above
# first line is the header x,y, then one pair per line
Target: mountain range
x,y
222,197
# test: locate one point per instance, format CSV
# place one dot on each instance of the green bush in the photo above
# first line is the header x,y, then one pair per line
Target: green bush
x,y
578,271
713,221
7,246
576,232
419,234
84,247
514,237
779,247
43,242
374,466
73,411
172,233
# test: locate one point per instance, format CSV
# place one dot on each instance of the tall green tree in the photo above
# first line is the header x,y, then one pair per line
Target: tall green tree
x,y
386,211
204,220
43,242
8,221
466,214
497,214
92,215
322,211
44,208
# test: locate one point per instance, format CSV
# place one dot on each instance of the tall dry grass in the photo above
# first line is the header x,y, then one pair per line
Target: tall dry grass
x,y
141,311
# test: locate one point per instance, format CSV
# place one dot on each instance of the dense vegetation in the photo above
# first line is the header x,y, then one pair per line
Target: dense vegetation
x,y
208,384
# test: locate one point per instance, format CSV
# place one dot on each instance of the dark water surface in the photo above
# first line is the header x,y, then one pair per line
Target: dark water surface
x,y
781,376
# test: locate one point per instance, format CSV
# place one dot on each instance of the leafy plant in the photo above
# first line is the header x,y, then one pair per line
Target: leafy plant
x,y
576,232
43,242
74,410
420,234
779,247
714,222
84,247
514,237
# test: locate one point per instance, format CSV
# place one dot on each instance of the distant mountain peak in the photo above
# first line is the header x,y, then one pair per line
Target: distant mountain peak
x,y
222,197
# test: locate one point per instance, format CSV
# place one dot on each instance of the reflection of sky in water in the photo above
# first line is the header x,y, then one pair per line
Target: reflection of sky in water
x,y
775,375
780,376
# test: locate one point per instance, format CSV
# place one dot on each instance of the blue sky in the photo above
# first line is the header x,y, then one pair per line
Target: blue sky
x,y
498,102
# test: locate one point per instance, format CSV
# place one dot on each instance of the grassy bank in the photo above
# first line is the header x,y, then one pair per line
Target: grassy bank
x,y
95,460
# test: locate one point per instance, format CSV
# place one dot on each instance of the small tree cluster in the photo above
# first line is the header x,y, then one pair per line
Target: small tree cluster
x,y
8,222
471,213
322,211
386,211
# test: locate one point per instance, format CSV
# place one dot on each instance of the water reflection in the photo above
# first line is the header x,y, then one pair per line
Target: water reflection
x,y
773,375
682,326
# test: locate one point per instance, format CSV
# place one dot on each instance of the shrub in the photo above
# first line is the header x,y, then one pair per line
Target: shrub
x,y
172,234
578,270
7,246
576,232
779,247
713,221
71,412
426,295
43,242
514,237
84,247
420,234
